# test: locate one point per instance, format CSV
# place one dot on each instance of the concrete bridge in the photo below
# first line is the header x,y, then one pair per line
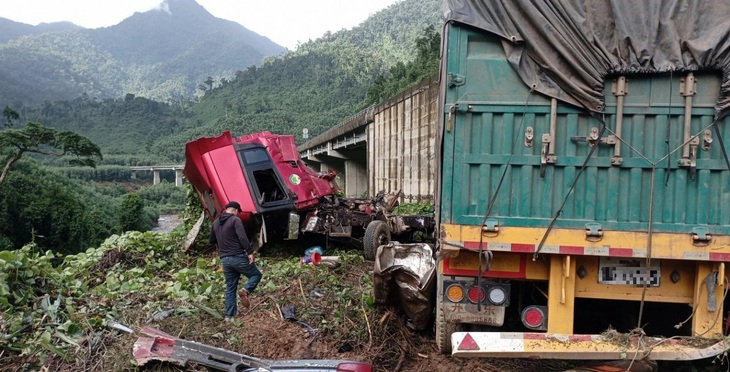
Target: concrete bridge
x,y
156,169
389,146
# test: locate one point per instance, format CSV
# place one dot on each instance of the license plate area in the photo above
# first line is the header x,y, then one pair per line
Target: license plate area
x,y
473,314
629,271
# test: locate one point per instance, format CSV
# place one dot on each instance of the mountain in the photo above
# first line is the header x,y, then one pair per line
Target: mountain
x,y
10,30
162,54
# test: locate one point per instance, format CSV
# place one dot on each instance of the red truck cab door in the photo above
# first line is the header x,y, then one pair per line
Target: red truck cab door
x,y
265,182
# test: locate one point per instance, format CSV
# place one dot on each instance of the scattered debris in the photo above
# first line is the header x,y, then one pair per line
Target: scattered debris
x,y
162,314
404,275
118,326
193,233
289,312
345,348
332,262
311,259
160,346
316,249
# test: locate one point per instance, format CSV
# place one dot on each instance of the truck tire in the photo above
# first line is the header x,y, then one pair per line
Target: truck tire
x,y
444,329
377,233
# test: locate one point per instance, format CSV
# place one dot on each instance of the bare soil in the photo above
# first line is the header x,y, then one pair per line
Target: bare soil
x,y
390,345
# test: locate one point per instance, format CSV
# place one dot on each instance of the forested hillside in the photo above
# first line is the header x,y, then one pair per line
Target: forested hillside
x,y
160,54
320,84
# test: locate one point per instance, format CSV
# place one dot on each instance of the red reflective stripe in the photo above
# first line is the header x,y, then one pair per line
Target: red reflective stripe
x,y
566,249
621,252
468,343
719,256
523,248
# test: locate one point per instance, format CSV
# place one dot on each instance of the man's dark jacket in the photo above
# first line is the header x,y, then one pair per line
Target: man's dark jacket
x,y
228,232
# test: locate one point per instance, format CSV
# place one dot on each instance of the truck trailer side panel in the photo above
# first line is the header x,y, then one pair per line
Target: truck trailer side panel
x,y
556,219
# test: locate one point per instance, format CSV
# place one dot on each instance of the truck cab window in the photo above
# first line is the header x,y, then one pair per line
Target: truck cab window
x,y
269,188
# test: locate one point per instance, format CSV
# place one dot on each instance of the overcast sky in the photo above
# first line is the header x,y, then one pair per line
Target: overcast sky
x,y
285,22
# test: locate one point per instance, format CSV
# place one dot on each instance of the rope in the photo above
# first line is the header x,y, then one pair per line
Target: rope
x,y
570,190
669,127
647,262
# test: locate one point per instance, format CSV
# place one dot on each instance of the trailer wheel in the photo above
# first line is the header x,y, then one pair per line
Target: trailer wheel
x,y
376,234
444,329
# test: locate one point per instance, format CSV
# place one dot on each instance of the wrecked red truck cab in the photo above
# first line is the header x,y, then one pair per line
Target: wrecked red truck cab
x,y
261,171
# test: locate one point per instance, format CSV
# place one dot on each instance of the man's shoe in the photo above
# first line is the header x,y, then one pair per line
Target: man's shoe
x,y
243,295
228,319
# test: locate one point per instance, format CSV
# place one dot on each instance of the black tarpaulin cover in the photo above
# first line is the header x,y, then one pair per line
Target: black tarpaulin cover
x,y
567,47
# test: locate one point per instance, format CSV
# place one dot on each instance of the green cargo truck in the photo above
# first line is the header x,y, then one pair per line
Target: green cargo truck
x,y
584,183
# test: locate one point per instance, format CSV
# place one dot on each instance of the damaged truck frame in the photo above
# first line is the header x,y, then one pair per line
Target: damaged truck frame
x,y
282,198
583,209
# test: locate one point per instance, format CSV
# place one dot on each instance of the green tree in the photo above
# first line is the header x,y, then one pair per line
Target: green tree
x,y
132,216
403,75
10,116
36,138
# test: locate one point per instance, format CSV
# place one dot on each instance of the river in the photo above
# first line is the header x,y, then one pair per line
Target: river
x,y
167,222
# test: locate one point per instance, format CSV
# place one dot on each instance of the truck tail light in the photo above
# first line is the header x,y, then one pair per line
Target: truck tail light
x,y
476,294
455,293
535,317
354,367
497,296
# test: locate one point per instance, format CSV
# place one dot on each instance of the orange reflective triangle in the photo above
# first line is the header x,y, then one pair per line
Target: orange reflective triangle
x,y
468,343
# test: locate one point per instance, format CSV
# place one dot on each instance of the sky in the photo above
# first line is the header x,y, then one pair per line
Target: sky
x,y
285,22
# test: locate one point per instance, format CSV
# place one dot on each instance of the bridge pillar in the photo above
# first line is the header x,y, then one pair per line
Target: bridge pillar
x,y
156,179
178,177
356,178
134,175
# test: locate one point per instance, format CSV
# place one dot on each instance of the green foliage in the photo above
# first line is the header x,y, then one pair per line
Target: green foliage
x,y
401,76
126,126
38,204
317,86
165,196
419,208
48,310
132,214
10,116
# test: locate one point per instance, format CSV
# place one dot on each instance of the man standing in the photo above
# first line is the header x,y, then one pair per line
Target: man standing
x,y
236,255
